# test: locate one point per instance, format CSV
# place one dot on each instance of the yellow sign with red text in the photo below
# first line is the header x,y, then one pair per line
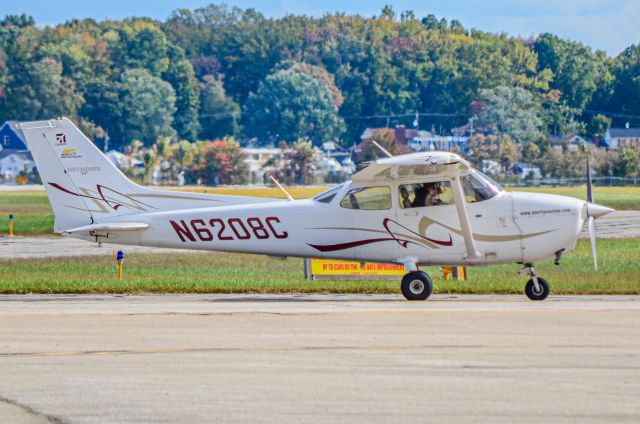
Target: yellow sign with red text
x,y
335,268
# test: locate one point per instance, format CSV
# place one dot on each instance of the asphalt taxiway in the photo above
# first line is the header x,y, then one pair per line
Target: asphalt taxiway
x,y
308,359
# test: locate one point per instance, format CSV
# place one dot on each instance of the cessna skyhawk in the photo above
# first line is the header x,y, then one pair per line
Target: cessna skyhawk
x,y
428,208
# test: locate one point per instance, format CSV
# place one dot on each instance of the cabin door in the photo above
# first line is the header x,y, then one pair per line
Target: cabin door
x,y
428,224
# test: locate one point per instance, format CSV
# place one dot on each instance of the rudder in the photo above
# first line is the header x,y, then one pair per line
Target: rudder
x,y
82,184
85,188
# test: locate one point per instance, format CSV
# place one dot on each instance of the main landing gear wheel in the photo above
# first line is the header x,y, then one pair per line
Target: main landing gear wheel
x,y
540,293
416,285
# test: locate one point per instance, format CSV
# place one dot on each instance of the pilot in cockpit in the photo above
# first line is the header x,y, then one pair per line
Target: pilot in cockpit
x,y
404,194
426,194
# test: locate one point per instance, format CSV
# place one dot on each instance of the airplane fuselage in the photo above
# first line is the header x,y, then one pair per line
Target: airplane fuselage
x,y
510,227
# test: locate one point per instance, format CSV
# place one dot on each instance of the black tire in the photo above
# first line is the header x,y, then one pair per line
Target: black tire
x,y
416,285
530,289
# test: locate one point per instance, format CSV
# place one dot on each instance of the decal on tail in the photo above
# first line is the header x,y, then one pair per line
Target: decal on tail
x,y
85,188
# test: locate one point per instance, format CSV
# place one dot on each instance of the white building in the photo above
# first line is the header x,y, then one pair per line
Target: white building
x,y
527,170
570,143
122,161
421,141
616,138
256,158
13,163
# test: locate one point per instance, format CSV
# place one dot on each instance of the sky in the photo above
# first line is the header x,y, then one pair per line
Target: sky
x,y
609,25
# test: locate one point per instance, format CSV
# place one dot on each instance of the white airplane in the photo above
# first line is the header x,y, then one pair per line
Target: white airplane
x,y
428,208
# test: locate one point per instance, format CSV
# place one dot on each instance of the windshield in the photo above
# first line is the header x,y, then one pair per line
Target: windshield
x,y
328,195
478,187
488,180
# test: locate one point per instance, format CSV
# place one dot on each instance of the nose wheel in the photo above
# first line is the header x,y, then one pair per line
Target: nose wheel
x,y
416,285
537,288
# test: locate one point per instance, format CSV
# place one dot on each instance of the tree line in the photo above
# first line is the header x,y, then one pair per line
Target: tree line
x,y
216,71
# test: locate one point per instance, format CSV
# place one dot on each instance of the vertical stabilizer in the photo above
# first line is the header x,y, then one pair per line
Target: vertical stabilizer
x,y
82,184
85,188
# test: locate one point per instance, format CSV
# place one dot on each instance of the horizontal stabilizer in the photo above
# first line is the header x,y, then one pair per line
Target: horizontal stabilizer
x,y
114,226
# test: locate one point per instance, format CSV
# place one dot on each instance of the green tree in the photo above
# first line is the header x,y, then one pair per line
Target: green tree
x,y
388,13
148,106
598,125
218,113
576,69
511,111
631,161
149,159
41,92
181,76
91,130
296,163
531,152
103,107
290,105
500,148
19,39
4,71
79,46
320,74
627,83
141,44
184,153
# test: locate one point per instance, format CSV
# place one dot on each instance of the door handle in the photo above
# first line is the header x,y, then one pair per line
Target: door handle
x,y
411,214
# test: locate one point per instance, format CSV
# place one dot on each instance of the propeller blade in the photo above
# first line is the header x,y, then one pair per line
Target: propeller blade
x,y
589,182
592,236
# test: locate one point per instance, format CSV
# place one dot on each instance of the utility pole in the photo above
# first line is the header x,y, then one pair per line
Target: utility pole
x,y
235,127
471,120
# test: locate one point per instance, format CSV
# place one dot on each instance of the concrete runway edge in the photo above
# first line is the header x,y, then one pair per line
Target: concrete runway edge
x,y
318,358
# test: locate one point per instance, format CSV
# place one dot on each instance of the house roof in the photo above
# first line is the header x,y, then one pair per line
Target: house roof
x,y
624,132
9,138
369,132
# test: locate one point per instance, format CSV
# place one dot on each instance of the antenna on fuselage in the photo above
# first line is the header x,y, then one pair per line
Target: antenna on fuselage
x,y
277,183
589,181
591,219
382,149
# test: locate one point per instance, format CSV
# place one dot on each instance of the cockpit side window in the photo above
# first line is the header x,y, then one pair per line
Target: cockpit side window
x,y
419,195
477,187
367,198
329,195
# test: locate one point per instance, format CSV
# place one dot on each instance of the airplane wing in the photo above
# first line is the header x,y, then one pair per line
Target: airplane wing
x,y
413,165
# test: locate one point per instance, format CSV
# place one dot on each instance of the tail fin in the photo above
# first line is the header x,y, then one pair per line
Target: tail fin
x,y
80,181
84,187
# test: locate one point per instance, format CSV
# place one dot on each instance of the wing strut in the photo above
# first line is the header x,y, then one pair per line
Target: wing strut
x,y
463,217
276,182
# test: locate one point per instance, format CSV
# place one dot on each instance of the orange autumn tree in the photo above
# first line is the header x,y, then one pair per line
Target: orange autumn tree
x,y
222,162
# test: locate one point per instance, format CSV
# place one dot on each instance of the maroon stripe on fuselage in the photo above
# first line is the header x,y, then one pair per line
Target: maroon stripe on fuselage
x,y
348,245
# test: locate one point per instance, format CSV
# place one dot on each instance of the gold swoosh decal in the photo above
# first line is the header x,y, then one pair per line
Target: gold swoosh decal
x,y
369,230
